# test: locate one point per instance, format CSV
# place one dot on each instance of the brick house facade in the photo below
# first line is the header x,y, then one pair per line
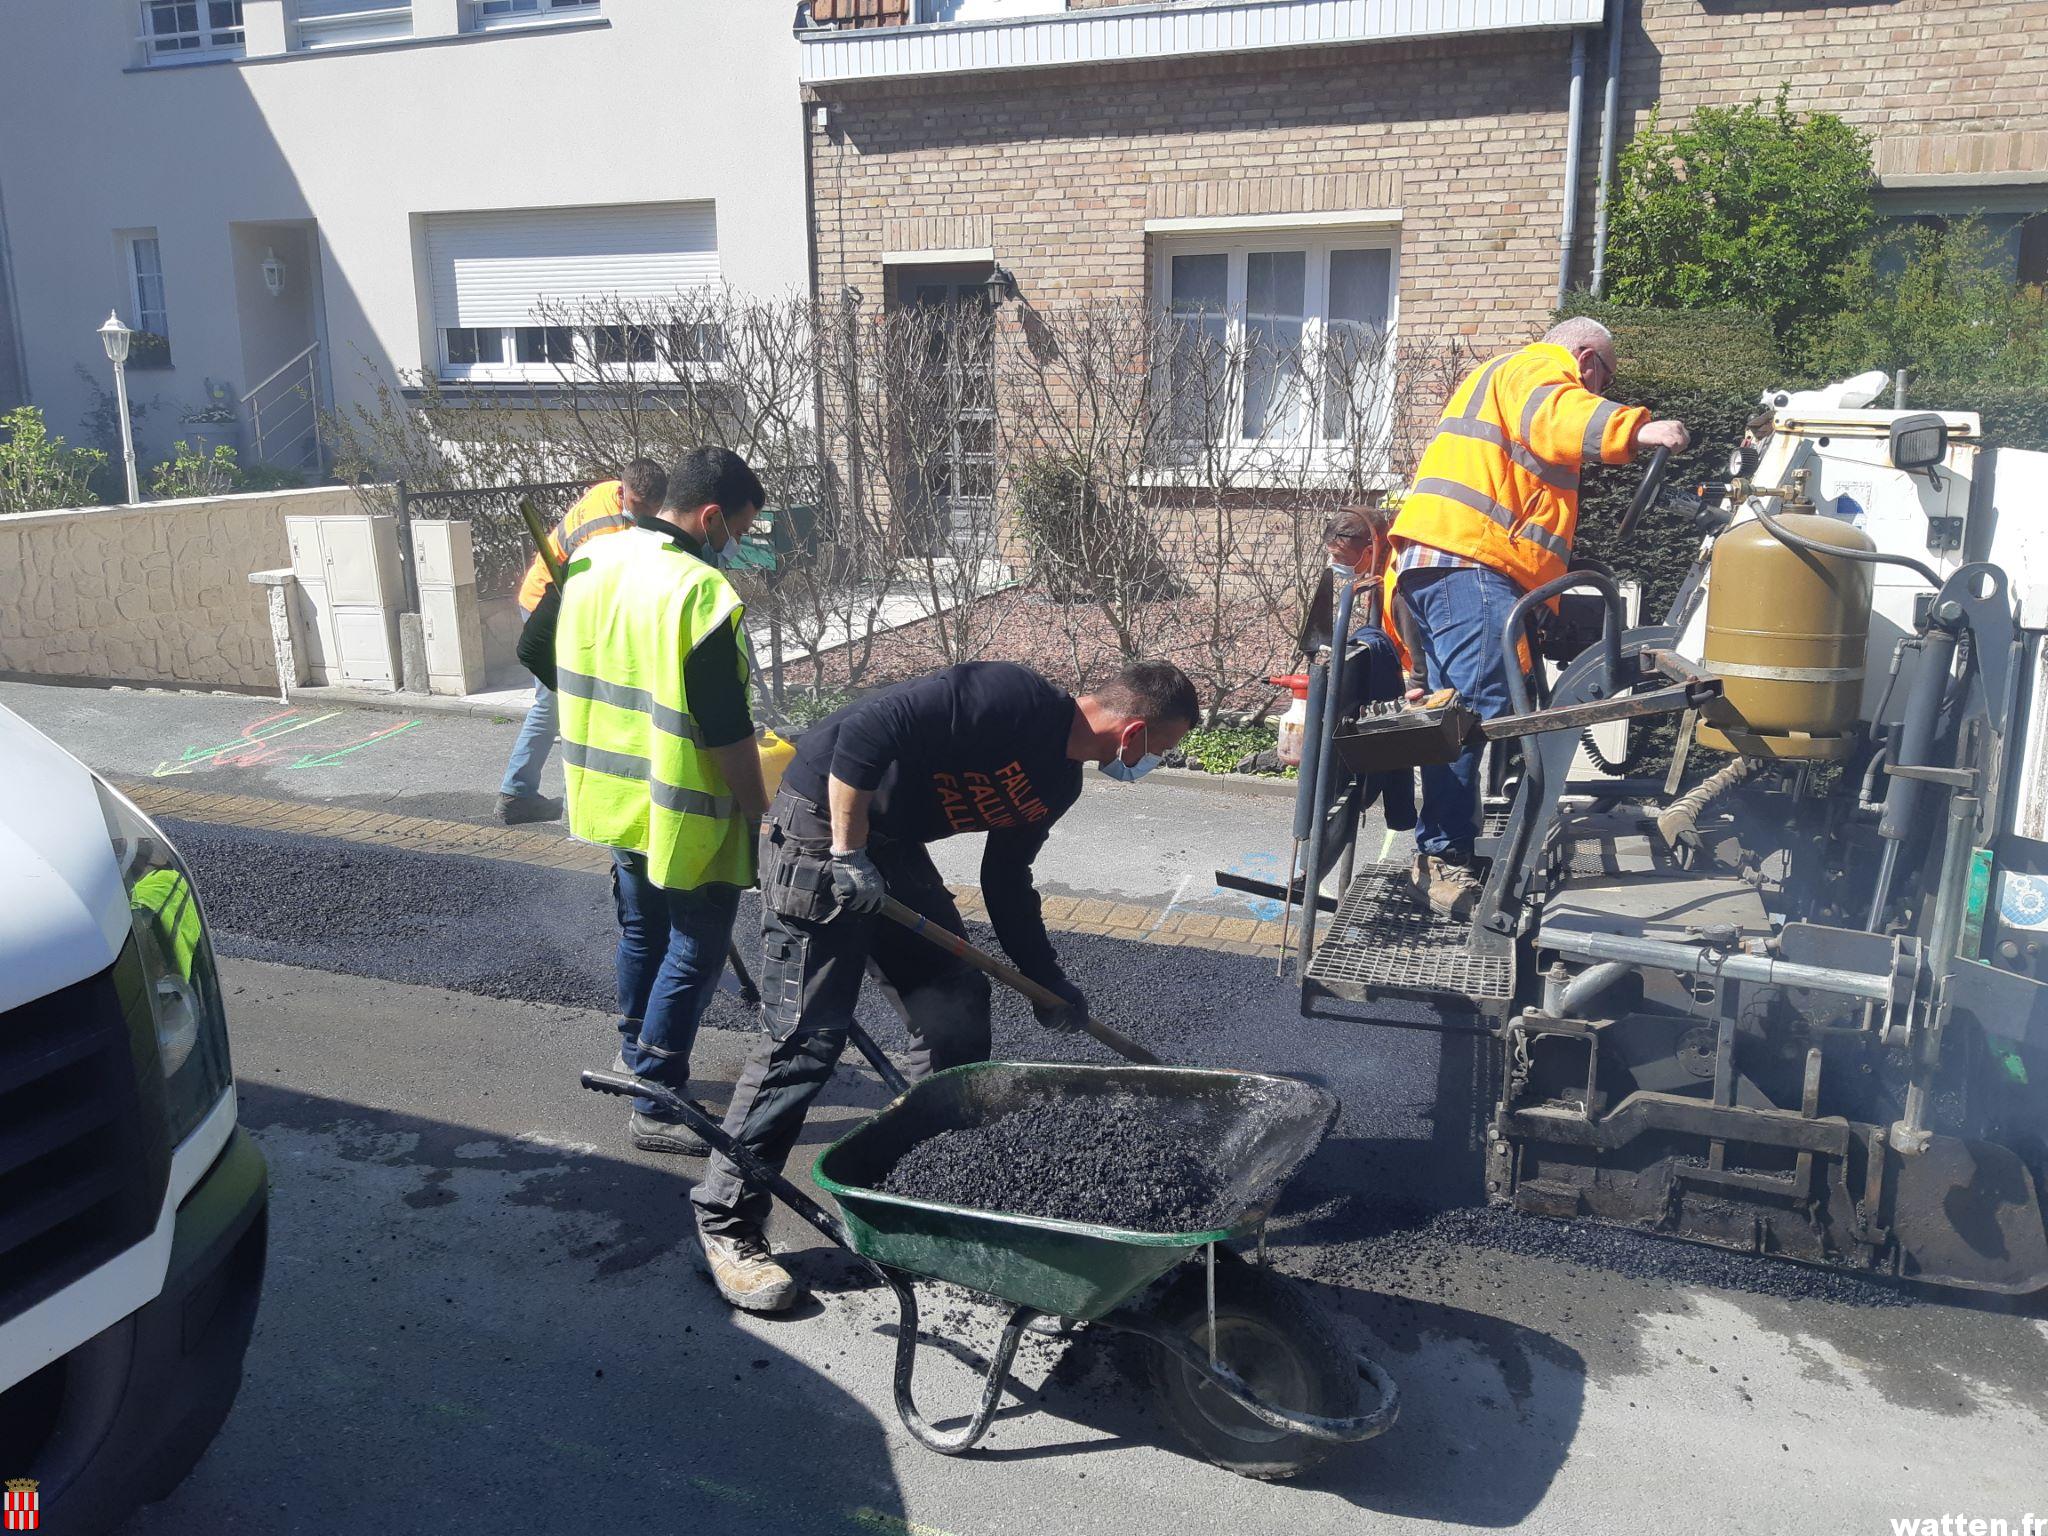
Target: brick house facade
x,y
1453,146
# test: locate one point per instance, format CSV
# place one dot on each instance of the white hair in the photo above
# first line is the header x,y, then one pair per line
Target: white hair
x,y
1579,331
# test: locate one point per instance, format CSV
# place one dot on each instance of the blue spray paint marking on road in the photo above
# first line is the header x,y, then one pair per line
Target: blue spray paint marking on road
x,y
1257,866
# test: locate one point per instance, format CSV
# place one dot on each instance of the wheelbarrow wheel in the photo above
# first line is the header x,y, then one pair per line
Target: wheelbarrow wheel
x,y
1274,1337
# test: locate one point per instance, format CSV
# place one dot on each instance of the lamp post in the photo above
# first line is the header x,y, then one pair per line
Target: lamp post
x,y
114,337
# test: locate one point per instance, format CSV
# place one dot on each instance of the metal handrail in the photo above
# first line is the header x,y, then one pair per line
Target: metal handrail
x,y
280,370
299,398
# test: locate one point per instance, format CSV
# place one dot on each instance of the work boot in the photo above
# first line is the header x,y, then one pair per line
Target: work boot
x,y
515,810
1445,887
745,1272
651,1133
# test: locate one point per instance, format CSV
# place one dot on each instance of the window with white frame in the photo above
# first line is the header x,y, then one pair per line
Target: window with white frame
x,y
486,14
527,294
1277,339
337,23
150,347
173,30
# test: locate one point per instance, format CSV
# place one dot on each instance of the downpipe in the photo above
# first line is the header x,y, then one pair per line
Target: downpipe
x,y
1610,132
1575,112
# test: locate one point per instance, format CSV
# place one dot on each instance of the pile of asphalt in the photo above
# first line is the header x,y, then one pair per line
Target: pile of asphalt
x,y
1404,1246
1112,1160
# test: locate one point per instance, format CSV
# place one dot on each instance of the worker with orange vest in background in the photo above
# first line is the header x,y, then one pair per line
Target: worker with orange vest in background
x,y
1492,515
605,508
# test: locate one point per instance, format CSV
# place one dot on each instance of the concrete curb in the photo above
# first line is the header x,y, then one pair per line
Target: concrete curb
x,y
444,704
409,703
553,848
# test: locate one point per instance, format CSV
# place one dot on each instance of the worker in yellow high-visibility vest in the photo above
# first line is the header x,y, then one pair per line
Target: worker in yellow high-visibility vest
x,y
1491,515
643,646
607,507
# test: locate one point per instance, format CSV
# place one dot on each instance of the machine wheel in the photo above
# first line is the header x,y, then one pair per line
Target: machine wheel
x,y
1279,1342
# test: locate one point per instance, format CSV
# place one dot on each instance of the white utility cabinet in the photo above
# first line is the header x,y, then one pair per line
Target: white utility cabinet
x,y
450,620
351,588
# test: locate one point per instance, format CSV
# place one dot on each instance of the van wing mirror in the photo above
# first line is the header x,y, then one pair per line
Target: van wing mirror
x,y
1919,441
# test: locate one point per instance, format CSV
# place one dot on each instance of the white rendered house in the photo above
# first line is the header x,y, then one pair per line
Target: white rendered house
x,y
290,196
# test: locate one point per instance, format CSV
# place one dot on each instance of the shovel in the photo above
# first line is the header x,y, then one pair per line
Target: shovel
x,y
1016,980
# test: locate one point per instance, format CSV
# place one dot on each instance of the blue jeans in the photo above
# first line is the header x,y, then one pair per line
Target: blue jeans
x,y
672,947
535,740
1459,611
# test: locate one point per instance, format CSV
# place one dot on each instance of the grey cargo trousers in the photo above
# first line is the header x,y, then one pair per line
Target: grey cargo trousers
x,y
813,954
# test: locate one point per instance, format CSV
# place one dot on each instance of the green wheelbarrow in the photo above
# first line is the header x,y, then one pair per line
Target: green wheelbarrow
x,y
1245,1364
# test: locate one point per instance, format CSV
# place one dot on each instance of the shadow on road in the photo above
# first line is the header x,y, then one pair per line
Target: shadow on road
x,y
463,1332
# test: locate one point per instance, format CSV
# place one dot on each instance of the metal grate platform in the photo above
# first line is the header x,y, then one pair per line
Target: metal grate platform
x,y
1380,942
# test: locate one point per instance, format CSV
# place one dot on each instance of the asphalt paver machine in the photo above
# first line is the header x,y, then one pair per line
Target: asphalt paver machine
x,y
1790,997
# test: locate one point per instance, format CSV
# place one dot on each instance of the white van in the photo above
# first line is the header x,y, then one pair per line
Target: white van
x,y
132,1206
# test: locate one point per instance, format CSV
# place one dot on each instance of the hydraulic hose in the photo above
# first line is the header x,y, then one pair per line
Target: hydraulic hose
x,y
1786,536
1678,826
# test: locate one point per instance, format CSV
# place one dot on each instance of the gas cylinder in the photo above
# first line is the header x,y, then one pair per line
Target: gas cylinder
x,y
1293,724
1786,631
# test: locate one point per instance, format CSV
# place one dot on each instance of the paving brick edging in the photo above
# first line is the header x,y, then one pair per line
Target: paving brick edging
x,y
528,845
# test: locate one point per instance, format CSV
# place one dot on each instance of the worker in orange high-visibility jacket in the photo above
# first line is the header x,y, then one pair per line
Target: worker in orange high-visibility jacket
x,y
1492,515
605,508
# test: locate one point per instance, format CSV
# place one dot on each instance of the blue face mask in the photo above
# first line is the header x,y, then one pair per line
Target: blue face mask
x,y
725,554
1130,773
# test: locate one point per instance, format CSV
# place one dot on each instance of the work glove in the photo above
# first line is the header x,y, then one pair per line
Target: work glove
x,y
856,883
1065,1016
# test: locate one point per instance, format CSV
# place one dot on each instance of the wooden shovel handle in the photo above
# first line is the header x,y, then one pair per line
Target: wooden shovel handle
x,y
1012,978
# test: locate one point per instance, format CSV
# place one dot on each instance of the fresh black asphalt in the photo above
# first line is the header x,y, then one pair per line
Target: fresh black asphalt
x,y
1397,1183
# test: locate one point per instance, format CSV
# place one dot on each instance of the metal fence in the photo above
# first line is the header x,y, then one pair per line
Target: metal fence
x,y
503,549
497,532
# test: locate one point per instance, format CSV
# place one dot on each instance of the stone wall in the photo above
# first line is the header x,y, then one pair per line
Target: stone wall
x,y
155,594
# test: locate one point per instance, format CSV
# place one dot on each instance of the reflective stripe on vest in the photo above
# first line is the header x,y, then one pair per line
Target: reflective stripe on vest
x,y
572,538
1499,482
634,608
601,509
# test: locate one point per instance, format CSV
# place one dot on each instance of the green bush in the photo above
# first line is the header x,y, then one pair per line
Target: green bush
x,y
1082,548
1706,368
188,472
1941,302
802,710
1748,206
270,477
1218,749
37,471
2014,416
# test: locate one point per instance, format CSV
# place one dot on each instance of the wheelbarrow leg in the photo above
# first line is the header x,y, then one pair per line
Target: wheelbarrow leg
x,y
991,1387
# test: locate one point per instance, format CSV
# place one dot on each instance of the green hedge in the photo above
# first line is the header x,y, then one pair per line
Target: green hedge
x,y
1707,369
2015,416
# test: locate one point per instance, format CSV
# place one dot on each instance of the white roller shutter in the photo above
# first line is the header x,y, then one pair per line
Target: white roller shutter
x,y
493,269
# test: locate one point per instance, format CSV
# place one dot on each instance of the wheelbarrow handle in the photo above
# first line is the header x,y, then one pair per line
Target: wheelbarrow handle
x,y
1012,978
694,1115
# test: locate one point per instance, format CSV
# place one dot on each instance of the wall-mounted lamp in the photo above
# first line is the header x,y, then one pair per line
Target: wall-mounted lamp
x,y
1000,283
273,273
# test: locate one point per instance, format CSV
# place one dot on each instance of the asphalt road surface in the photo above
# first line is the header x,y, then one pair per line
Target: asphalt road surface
x,y
482,1311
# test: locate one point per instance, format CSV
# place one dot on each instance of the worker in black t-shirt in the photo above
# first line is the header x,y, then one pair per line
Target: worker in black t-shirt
x,y
988,747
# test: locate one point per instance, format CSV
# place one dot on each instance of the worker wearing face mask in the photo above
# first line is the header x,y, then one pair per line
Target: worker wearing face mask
x,y
643,643
987,747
